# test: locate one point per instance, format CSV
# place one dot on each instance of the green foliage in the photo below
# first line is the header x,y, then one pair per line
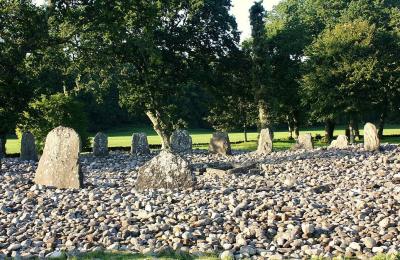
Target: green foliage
x,y
48,112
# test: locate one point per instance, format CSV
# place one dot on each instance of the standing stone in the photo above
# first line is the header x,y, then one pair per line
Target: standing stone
x,y
220,144
265,144
100,144
371,140
59,165
341,142
165,171
304,142
140,146
28,147
181,142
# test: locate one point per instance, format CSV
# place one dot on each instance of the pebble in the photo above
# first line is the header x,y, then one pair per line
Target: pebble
x,y
303,203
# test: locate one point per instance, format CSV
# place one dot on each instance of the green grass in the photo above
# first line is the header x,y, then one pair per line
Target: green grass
x,y
121,137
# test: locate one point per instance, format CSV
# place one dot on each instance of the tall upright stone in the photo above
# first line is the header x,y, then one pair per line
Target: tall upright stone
x,y
28,147
140,145
341,142
371,139
304,142
220,144
181,141
165,171
265,143
100,144
59,165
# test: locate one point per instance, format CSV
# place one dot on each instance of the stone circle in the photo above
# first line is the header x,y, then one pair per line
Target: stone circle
x,y
140,145
371,139
181,141
165,171
28,147
59,165
265,142
220,144
100,144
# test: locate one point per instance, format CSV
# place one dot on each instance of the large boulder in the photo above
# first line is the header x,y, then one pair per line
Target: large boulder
x,y
220,144
181,141
341,142
100,144
59,165
165,171
28,147
371,139
304,142
265,143
140,145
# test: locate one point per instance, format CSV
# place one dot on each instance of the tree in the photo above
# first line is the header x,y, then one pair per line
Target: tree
x,y
260,68
164,50
22,31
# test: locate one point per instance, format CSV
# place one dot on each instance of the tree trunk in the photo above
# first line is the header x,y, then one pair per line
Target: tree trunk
x,y
381,125
296,127
157,126
356,130
263,114
3,140
329,129
245,133
290,126
351,131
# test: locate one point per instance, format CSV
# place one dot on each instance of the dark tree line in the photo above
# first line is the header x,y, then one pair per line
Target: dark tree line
x,y
177,63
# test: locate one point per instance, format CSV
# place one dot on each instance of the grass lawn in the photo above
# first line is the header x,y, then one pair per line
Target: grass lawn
x,y
121,137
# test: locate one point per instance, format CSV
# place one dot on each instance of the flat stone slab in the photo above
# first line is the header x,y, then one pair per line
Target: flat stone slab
x,y
59,165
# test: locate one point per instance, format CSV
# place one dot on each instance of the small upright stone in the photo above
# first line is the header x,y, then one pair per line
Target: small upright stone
x,y
371,140
341,142
59,165
220,144
165,171
304,142
140,146
28,147
181,142
265,144
100,144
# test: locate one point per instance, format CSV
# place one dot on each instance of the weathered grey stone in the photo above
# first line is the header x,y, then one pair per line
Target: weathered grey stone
x,y
341,142
165,171
28,147
265,144
59,165
220,144
304,142
140,146
100,144
181,141
371,140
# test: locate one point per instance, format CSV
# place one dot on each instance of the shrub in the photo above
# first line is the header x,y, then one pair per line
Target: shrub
x,y
48,112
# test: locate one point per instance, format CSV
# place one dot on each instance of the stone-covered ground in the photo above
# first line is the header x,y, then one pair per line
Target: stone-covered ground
x,y
290,204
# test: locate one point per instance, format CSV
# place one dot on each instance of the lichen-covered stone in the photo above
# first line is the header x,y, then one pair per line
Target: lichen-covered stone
x,y
100,144
181,141
140,145
165,171
371,139
220,144
304,142
59,165
28,147
341,142
265,143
